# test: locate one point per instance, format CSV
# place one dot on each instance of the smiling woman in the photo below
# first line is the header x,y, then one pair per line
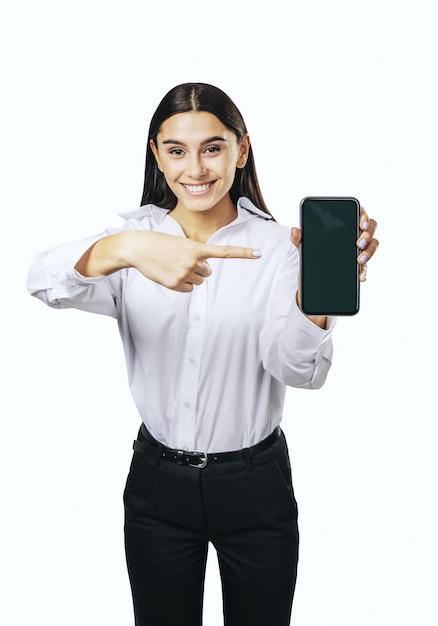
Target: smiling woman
x,y
199,167
213,334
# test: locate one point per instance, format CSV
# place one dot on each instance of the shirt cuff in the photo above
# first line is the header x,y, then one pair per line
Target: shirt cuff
x,y
61,261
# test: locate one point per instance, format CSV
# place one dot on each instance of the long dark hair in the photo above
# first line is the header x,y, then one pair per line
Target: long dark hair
x,y
199,97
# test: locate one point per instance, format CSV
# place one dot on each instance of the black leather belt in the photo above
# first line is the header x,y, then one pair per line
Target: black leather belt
x,y
200,459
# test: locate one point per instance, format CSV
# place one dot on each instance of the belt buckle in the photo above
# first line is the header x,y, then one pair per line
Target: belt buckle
x,y
203,460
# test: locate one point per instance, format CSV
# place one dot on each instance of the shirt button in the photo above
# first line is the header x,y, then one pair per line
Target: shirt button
x,y
187,405
192,359
196,318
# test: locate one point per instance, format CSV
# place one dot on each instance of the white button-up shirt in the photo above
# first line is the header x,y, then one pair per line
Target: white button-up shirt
x,y
208,369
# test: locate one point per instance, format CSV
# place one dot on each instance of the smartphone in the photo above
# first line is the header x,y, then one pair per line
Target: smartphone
x,y
329,267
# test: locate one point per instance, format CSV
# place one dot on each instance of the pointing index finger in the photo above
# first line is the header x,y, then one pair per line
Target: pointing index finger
x,y
230,252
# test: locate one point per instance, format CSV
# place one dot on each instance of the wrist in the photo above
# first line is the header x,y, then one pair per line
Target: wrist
x,y
123,248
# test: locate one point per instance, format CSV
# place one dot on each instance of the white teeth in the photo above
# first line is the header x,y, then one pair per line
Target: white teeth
x,y
197,188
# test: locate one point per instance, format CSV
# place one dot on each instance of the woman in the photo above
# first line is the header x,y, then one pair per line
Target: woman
x,y
203,283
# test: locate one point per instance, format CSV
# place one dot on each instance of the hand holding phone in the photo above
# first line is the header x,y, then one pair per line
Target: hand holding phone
x,y
329,268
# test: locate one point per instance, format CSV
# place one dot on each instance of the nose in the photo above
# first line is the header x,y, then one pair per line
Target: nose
x,y
196,168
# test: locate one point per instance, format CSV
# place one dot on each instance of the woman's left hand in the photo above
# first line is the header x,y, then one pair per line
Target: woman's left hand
x,y
366,241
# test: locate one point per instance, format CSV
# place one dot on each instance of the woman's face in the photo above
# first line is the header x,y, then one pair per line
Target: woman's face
x,y
198,156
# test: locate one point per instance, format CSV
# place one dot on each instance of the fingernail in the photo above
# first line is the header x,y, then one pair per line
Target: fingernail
x,y
363,258
257,253
362,244
365,226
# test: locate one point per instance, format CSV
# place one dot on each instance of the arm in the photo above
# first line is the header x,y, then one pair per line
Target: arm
x,y
172,261
53,279
86,274
295,350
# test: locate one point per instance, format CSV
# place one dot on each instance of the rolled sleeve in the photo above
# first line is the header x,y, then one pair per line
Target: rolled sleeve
x,y
294,350
52,278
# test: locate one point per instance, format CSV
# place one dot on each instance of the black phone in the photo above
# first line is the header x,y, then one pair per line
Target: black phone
x,y
329,267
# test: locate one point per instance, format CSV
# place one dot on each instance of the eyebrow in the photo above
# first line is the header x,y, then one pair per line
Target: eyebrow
x,y
175,142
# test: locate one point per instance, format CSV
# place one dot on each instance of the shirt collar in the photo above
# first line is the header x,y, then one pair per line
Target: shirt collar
x,y
245,210
244,203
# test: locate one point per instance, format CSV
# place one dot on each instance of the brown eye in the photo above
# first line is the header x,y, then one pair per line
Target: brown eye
x,y
212,149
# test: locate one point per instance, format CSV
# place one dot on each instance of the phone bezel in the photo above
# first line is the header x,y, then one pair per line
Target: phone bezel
x,y
308,311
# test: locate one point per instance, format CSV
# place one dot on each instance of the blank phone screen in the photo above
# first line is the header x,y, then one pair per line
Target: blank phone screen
x,y
329,268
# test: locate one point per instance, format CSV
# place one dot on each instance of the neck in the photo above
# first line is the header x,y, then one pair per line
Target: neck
x,y
201,226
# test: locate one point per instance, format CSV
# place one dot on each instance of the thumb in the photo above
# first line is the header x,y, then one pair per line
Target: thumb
x,y
229,252
296,236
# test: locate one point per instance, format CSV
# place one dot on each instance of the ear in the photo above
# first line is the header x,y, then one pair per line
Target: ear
x,y
155,152
244,151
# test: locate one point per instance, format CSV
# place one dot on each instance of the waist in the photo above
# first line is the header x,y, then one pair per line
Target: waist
x,y
198,458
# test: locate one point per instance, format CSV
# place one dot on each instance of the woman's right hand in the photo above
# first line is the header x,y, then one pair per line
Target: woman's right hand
x,y
175,262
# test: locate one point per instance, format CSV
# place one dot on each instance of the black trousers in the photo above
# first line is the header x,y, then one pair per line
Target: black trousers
x,y
246,510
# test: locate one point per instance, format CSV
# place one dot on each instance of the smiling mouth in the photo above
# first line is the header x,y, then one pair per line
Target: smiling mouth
x,y
198,189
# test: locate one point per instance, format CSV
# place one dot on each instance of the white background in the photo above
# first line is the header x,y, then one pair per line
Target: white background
x,y
339,98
